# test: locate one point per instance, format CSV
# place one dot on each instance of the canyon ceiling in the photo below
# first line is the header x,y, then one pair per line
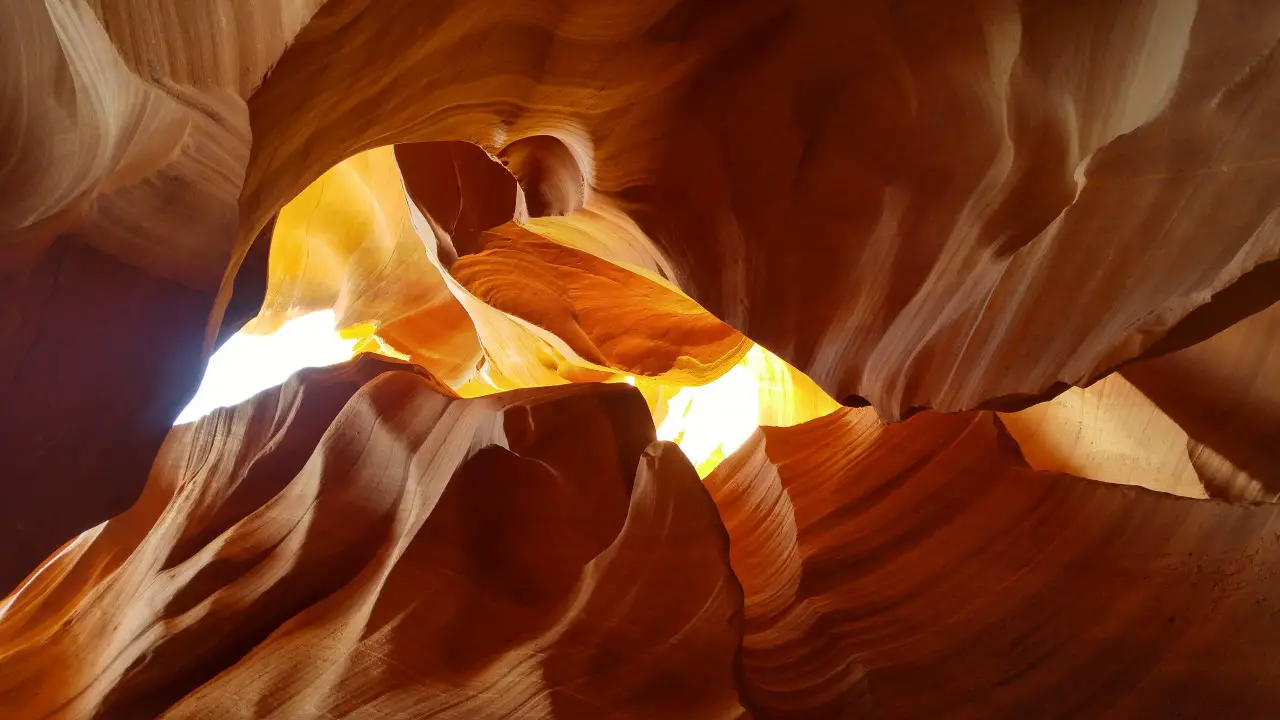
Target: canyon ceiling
x,y
1004,273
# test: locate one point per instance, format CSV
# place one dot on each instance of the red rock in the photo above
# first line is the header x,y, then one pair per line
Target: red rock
x,y
923,570
924,207
359,541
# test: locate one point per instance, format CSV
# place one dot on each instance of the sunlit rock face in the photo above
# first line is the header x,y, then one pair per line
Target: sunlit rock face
x,y
1030,246
347,243
739,385
707,422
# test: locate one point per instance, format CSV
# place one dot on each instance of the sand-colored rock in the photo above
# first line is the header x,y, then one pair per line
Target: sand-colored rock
x,y
1225,393
1108,431
347,243
1198,420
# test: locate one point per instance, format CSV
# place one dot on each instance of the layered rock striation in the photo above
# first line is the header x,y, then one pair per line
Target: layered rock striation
x,y
1030,246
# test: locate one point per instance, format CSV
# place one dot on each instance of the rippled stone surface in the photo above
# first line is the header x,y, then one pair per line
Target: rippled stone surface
x,y
918,208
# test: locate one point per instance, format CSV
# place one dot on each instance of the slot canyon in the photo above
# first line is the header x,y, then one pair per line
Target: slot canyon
x,y
581,359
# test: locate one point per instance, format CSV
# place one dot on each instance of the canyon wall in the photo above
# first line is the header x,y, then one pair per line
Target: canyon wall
x,y
1031,246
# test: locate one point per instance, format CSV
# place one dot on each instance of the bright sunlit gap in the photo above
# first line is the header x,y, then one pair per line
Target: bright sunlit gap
x,y
710,421
248,364
707,422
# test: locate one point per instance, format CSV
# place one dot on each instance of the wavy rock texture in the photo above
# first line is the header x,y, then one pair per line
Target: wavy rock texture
x,y
359,541
126,136
1019,159
918,206
590,312
348,243
923,570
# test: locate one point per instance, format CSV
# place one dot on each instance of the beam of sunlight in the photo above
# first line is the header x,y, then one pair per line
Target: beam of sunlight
x,y
710,421
248,364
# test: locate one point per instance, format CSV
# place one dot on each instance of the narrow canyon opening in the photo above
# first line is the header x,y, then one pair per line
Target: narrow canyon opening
x,y
707,422
520,325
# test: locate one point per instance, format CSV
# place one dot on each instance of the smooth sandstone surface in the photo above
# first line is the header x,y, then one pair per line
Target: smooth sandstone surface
x,y
923,570
902,220
361,542
1108,431
923,211
125,145
1225,392
899,202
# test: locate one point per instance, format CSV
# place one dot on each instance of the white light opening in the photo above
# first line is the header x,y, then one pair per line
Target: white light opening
x,y
248,364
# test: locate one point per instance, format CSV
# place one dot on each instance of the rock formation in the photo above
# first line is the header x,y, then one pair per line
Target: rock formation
x,y
361,541
1031,247
941,577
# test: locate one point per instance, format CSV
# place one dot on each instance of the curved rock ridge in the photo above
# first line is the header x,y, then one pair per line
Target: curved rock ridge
x,y
965,207
1109,431
1021,159
921,569
1225,393
125,137
347,243
915,207
361,541
606,315
582,309
1196,421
